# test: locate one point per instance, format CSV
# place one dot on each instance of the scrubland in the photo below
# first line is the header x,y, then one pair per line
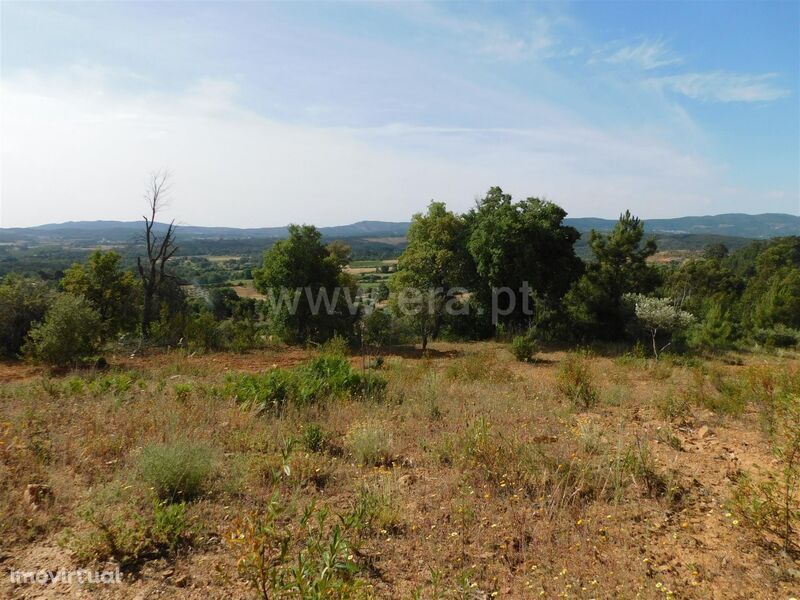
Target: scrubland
x,y
457,473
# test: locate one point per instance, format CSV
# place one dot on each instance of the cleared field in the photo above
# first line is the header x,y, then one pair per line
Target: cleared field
x,y
493,479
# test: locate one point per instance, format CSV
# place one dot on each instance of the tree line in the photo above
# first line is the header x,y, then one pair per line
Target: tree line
x,y
504,269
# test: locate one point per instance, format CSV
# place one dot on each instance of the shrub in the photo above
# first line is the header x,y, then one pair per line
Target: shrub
x,y
575,381
176,471
270,391
23,302
311,559
523,347
201,333
779,336
68,335
123,531
238,335
313,437
371,443
772,504
324,377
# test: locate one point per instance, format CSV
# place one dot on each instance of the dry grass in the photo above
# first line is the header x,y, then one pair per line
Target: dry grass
x,y
476,476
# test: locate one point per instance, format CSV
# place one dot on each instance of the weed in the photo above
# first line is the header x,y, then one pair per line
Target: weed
x,y
524,348
182,391
310,561
176,471
313,437
575,380
772,504
672,406
371,443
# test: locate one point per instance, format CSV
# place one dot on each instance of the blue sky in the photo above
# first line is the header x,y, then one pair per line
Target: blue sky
x,y
327,113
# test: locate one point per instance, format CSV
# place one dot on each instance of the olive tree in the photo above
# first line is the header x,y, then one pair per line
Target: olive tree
x,y
659,316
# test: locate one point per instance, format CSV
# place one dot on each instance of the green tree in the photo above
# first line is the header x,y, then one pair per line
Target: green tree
x,y
305,285
659,316
517,243
619,267
69,334
23,302
433,268
699,284
773,293
715,331
114,293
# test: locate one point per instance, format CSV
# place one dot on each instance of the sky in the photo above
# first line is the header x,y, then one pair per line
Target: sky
x,y
266,113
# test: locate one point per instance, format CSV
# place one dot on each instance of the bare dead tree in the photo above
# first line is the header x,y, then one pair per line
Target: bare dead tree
x,y
160,248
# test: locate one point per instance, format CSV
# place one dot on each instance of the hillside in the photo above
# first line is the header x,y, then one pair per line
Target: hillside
x,y
730,225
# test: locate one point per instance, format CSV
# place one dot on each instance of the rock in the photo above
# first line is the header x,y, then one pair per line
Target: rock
x,y
181,581
38,495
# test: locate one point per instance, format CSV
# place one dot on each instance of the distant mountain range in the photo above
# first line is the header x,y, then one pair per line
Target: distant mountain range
x,y
730,225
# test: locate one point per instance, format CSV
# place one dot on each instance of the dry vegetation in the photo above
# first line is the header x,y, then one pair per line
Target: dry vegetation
x,y
471,476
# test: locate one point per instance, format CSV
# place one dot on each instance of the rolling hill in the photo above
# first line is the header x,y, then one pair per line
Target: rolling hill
x,y
728,225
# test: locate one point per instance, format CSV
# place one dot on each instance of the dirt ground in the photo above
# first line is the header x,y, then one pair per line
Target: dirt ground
x,y
466,524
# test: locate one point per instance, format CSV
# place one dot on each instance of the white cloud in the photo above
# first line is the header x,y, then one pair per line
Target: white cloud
x,y
74,150
647,55
721,86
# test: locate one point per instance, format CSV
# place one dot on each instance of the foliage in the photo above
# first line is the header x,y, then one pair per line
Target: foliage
x,y
130,534
371,443
526,242
313,437
295,272
114,293
324,377
596,301
714,332
524,347
23,302
772,505
378,329
659,315
68,335
435,265
176,471
575,380
320,566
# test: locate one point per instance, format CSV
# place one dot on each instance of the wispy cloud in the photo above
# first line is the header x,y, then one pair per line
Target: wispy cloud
x,y
536,36
219,149
647,55
722,86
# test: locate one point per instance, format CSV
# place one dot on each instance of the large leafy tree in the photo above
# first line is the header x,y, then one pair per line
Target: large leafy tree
x,y
298,275
523,242
433,270
113,292
619,267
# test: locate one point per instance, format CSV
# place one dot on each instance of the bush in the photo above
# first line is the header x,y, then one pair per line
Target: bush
x,y
523,347
305,559
313,437
68,335
575,381
371,443
779,336
23,302
176,471
201,333
324,377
